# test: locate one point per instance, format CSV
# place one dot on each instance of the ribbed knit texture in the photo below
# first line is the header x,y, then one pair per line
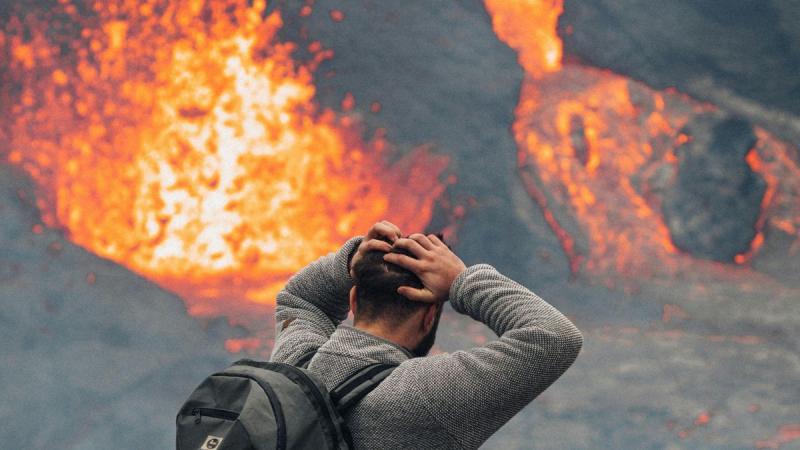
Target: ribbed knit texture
x,y
452,400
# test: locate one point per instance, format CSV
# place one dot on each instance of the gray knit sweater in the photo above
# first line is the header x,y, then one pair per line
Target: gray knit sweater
x,y
451,400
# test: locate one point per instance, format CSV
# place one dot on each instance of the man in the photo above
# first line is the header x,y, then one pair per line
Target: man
x,y
451,400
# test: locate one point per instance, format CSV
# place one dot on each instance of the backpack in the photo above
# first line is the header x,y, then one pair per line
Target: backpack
x,y
255,405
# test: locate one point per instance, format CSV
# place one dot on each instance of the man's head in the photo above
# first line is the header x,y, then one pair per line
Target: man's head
x,y
376,302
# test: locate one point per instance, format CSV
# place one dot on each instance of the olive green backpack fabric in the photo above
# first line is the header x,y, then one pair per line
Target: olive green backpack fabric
x,y
271,406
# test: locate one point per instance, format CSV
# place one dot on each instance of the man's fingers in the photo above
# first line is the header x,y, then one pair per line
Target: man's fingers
x,y
384,229
422,240
416,295
411,245
436,241
404,261
392,227
377,244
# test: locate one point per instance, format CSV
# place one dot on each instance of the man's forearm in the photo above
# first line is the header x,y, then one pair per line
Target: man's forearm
x,y
536,345
312,305
323,285
503,304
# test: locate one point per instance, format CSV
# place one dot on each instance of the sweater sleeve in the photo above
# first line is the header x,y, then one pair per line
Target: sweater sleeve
x,y
313,303
473,393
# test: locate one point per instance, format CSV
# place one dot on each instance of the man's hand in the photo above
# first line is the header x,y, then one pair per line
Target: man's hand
x,y
435,265
379,237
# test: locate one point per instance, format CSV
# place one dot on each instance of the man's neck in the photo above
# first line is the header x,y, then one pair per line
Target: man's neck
x,y
398,335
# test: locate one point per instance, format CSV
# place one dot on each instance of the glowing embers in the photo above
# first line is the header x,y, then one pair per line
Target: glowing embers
x,y
181,140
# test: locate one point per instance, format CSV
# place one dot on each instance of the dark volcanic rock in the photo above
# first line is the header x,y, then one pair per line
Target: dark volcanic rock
x,y
712,208
743,55
780,255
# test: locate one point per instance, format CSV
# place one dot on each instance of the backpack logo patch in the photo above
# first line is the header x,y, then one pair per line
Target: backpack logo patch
x,y
211,443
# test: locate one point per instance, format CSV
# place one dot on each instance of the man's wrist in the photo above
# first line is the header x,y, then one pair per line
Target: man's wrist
x,y
352,253
455,295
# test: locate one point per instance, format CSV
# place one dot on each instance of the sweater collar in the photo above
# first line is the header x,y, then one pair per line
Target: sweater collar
x,y
358,343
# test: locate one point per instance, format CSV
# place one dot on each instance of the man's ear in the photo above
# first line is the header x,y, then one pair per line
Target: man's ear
x,y
353,300
430,317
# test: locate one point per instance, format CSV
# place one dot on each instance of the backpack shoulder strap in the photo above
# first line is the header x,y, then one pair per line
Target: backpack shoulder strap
x,y
361,383
305,359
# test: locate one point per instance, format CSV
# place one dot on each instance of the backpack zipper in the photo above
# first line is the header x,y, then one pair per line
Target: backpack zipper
x,y
277,410
213,412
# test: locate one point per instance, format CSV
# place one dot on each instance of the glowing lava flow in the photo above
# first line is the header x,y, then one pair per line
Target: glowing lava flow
x,y
602,146
181,139
781,203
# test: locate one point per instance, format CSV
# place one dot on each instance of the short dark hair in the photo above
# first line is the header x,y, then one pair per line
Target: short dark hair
x,y
376,288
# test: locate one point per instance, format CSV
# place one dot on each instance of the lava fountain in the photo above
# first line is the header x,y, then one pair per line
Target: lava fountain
x,y
181,139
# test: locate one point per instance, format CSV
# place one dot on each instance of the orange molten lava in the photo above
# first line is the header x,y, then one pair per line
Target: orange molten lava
x,y
781,203
528,26
181,139
601,146
582,139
